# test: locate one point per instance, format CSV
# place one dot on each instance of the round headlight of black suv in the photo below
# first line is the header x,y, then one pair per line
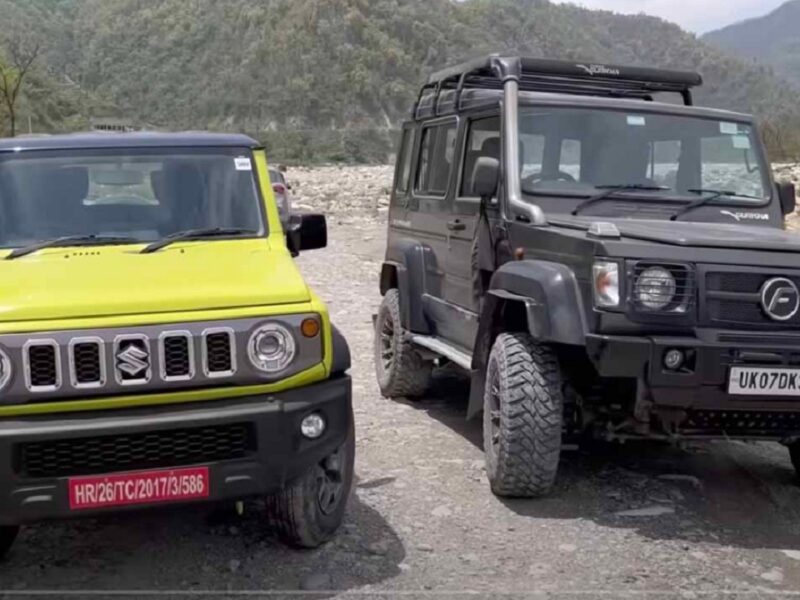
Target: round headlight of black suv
x,y
271,348
655,288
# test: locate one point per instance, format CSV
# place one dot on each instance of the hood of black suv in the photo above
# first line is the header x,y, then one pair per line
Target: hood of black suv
x,y
709,235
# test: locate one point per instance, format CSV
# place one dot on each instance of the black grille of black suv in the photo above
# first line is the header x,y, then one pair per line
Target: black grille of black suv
x,y
734,299
110,454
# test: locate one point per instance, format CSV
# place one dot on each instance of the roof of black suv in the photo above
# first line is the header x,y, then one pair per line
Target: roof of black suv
x,y
91,140
465,81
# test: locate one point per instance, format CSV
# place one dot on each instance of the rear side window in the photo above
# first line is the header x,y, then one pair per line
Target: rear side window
x,y
483,139
404,160
437,151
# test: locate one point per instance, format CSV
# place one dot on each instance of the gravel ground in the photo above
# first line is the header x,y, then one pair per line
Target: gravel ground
x,y
720,520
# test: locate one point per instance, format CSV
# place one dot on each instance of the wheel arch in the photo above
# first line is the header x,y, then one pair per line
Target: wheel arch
x,y
404,269
538,297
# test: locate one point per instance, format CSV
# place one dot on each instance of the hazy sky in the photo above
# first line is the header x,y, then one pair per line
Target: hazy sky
x,y
695,15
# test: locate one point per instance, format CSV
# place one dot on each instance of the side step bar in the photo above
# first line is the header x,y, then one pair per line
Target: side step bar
x,y
434,344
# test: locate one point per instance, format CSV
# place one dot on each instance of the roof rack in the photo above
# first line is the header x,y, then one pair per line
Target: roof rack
x,y
543,75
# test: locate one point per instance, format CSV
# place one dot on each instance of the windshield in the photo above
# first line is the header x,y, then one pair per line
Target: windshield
x,y
572,151
140,194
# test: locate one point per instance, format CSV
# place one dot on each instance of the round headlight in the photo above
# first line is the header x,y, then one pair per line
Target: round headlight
x,y
5,369
655,289
271,348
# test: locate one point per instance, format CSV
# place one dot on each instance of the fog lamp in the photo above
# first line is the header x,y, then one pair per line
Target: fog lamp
x,y
313,426
674,359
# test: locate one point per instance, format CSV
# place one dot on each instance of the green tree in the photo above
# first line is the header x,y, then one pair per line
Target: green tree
x,y
16,61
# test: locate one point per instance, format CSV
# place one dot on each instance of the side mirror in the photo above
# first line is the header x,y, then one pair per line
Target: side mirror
x,y
306,231
786,193
485,177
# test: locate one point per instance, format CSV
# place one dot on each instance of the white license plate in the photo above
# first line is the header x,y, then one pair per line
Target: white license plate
x,y
751,381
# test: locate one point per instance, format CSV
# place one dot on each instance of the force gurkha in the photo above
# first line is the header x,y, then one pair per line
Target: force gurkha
x,y
601,263
157,343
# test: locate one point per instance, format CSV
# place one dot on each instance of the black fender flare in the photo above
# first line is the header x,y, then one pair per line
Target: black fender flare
x,y
341,352
404,269
540,297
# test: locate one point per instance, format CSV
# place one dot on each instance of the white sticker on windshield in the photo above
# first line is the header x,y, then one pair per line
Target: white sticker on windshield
x,y
636,120
242,163
741,142
728,128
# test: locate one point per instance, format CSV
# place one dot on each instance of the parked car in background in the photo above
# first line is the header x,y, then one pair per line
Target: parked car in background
x,y
281,190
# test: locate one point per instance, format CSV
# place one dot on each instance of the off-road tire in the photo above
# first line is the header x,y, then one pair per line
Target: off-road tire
x,y
522,417
295,512
400,369
8,534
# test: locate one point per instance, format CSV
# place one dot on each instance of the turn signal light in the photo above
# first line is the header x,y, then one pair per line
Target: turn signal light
x,y
310,328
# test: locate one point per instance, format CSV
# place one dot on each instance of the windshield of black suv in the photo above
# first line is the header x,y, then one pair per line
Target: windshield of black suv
x,y
132,194
578,152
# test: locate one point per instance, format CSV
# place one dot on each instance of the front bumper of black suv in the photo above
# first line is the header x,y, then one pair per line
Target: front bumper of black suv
x,y
250,445
695,397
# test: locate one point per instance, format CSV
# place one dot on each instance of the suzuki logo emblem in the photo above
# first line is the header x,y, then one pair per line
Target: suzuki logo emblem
x,y
780,299
133,360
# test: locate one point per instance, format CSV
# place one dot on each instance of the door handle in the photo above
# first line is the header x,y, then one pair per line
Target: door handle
x,y
456,225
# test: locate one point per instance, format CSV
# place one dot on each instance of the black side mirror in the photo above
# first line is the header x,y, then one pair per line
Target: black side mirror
x,y
485,177
306,231
787,194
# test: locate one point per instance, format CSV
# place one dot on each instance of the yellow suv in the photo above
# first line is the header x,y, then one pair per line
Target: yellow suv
x,y
157,342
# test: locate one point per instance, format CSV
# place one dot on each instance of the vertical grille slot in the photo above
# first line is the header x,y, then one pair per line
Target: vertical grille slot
x,y
42,366
87,364
177,356
219,353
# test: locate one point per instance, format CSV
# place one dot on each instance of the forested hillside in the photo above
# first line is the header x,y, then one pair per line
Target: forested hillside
x,y
773,40
329,78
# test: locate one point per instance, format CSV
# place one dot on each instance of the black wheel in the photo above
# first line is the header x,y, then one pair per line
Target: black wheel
x,y
401,370
8,534
308,512
522,417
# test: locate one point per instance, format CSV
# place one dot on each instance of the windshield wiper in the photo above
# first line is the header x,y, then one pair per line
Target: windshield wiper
x,y
714,194
610,190
68,240
196,234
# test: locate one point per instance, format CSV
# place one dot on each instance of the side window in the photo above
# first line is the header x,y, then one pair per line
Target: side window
x,y
483,139
404,161
437,151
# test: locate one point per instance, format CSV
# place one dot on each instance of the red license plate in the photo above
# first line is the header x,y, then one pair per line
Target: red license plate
x,y
146,487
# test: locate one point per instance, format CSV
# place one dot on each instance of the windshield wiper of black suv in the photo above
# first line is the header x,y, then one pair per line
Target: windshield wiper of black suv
x,y
196,234
68,240
714,194
610,190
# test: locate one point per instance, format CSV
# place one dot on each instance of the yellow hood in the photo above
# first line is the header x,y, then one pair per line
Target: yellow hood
x,y
64,283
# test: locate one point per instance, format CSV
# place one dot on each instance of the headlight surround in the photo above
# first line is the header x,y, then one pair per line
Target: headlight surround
x,y
272,348
605,284
6,369
655,288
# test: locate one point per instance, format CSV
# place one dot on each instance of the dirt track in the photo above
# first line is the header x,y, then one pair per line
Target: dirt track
x,y
422,519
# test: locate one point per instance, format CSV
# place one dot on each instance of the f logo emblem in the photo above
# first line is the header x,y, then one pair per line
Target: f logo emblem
x,y
780,299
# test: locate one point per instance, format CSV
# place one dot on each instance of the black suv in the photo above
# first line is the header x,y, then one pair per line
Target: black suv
x,y
601,263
